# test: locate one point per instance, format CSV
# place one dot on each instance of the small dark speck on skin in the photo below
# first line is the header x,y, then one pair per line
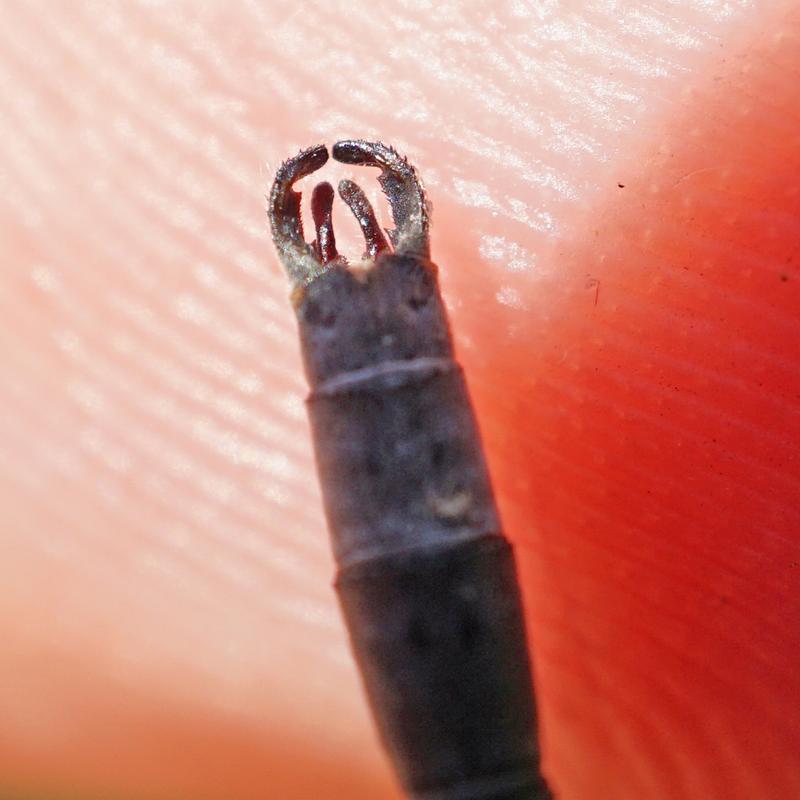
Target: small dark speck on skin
x,y
784,277
621,185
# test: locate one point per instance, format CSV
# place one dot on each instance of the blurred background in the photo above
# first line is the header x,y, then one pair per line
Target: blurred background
x,y
616,192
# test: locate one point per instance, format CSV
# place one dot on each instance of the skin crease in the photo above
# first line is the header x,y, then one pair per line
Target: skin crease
x,y
616,208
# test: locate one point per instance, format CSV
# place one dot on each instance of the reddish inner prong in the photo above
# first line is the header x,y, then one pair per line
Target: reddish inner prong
x,y
355,198
322,211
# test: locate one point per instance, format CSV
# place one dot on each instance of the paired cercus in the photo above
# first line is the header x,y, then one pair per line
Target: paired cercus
x,y
399,180
426,579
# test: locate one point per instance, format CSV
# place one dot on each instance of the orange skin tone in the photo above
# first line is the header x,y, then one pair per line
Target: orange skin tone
x,y
168,625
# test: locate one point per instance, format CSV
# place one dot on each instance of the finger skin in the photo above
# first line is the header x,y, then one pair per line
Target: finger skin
x,y
168,625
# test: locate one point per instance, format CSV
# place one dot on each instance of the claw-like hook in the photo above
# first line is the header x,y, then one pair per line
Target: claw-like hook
x,y
399,181
402,186
284,214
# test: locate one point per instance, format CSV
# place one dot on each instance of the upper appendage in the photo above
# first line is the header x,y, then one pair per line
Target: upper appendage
x,y
399,181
